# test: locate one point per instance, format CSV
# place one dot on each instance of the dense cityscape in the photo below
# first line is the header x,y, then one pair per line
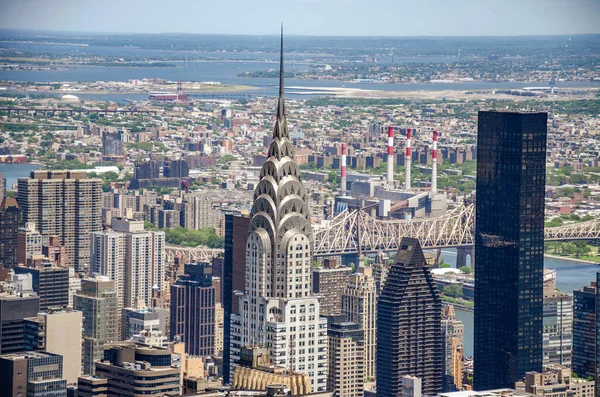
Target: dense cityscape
x,y
207,215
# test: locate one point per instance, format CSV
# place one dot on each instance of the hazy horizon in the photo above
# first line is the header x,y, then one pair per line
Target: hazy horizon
x,y
344,18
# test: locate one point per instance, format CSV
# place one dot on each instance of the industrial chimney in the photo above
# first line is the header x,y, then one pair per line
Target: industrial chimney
x,y
434,165
390,156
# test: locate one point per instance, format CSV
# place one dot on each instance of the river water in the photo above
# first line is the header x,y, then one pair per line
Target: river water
x,y
16,170
570,276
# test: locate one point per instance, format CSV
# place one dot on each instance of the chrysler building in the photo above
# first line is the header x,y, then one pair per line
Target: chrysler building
x,y
278,310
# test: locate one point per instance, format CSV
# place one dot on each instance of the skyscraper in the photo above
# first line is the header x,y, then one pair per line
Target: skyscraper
x,y
193,310
278,310
359,305
409,333
10,221
329,283
346,359
13,310
585,348
558,327
66,204
133,258
97,300
509,247
234,269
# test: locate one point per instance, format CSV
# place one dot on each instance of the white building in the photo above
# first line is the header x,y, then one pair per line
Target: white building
x,y
278,310
131,256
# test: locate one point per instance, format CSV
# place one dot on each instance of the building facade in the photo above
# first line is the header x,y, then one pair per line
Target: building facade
x,y
329,283
97,301
234,269
346,359
359,305
585,347
558,327
57,332
14,308
409,333
193,310
65,204
29,242
133,258
453,353
509,247
278,305
50,283
32,374
10,221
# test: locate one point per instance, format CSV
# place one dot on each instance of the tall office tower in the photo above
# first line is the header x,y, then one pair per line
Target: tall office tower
x,y
329,283
13,310
278,310
558,327
57,332
453,352
32,374
134,321
585,348
234,270
409,333
66,204
509,247
139,370
133,258
29,242
50,283
193,310
97,300
359,304
10,221
346,359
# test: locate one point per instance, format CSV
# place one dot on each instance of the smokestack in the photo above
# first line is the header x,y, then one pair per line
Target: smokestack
x,y
407,161
390,156
343,166
434,165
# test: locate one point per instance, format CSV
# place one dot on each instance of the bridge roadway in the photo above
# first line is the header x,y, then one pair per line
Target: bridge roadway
x,y
70,112
354,233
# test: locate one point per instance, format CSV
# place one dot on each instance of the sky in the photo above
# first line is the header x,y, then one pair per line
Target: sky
x,y
308,17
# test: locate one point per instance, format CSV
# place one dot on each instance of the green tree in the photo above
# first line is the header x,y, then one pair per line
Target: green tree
x,y
453,290
466,269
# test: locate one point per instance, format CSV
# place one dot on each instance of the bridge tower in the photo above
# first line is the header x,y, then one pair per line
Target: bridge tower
x,y
461,256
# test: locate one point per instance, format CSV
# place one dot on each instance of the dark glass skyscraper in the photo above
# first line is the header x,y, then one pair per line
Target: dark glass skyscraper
x,y
409,329
585,317
509,247
193,310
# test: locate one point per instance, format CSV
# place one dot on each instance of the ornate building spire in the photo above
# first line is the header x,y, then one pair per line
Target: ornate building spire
x,y
281,124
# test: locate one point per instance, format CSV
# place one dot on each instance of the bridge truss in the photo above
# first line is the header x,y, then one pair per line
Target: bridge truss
x,y
356,232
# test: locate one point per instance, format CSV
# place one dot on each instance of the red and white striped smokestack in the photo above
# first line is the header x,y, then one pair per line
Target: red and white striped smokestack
x,y
343,166
434,165
407,161
390,156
